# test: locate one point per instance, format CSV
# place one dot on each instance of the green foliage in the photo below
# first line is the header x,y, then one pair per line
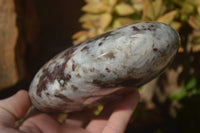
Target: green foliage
x,y
188,89
188,116
104,15
98,109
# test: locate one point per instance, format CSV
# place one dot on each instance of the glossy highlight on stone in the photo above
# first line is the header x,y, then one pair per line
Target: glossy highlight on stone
x,y
104,68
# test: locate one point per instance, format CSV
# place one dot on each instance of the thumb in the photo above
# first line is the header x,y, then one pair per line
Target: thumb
x,y
14,108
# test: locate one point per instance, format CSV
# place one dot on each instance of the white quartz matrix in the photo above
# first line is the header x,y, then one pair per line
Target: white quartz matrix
x,y
104,66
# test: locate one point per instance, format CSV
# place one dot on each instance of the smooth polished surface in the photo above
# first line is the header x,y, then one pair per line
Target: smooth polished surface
x,y
99,68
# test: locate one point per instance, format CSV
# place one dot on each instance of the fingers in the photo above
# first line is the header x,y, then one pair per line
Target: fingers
x,y
79,119
43,123
120,117
40,123
97,124
8,130
114,113
14,108
67,129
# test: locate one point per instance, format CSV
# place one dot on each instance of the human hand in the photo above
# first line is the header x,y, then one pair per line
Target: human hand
x,y
113,119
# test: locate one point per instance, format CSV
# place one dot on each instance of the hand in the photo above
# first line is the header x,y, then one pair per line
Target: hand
x,y
113,119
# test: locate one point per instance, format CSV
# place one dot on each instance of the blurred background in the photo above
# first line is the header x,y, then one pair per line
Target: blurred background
x,y
33,31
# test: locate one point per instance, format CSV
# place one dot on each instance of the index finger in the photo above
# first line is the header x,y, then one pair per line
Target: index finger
x,y
119,119
117,112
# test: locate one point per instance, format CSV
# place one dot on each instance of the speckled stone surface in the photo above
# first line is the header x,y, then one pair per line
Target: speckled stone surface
x,y
101,67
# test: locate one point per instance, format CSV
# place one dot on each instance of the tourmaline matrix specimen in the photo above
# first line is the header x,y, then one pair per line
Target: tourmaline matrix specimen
x,y
105,67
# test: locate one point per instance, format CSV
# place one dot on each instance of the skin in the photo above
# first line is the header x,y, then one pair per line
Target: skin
x,y
113,119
